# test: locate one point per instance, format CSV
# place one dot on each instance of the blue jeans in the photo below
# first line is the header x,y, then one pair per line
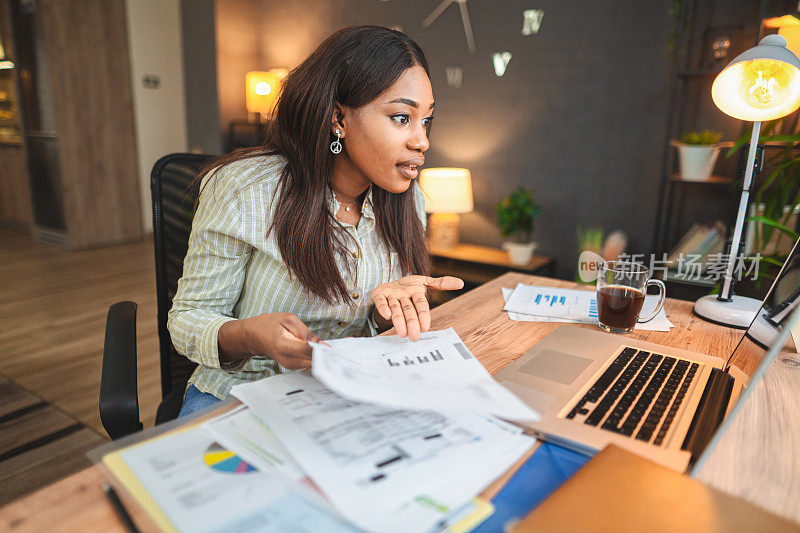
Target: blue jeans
x,y
195,400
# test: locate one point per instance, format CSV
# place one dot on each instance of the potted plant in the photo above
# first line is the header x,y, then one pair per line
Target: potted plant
x,y
515,215
697,154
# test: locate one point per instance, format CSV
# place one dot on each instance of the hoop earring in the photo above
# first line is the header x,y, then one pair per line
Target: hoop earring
x,y
336,146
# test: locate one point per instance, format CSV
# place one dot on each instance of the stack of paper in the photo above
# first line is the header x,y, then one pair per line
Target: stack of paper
x,y
386,427
383,469
186,482
529,303
404,443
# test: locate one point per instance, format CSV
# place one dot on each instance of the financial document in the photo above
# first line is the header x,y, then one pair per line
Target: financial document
x,y
384,469
242,431
249,437
437,372
553,302
187,482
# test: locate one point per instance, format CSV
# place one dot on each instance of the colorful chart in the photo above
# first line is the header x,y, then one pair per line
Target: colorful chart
x,y
226,461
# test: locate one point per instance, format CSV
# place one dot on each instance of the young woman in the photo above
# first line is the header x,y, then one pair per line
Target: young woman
x,y
318,234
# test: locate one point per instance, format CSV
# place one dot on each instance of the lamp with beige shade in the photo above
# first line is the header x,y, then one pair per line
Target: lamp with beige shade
x,y
448,192
262,89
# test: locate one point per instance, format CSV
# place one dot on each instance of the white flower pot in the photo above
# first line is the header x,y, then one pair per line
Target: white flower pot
x,y
697,161
519,253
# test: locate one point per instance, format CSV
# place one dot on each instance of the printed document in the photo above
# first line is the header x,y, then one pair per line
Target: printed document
x,y
437,373
553,302
188,483
384,469
249,437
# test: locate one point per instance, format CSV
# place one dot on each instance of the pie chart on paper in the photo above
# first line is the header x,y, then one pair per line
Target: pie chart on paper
x,y
226,461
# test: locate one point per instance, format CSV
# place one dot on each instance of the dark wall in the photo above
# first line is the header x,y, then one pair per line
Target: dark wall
x,y
200,76
580,114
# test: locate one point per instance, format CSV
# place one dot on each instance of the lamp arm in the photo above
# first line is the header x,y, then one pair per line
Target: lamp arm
x,y
733,253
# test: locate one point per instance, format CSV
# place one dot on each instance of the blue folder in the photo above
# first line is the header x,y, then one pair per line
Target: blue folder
x,y
546,470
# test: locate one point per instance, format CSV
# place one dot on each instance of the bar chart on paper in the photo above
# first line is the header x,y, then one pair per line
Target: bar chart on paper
x,y
425,356
553,302
223,460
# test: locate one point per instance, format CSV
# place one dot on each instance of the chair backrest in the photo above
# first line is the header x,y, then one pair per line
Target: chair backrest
x,y
174,192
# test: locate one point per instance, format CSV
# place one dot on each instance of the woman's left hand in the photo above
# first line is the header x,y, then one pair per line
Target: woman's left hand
x,y
404,302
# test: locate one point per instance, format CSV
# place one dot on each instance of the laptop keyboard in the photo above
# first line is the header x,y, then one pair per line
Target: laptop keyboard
x,y
639,393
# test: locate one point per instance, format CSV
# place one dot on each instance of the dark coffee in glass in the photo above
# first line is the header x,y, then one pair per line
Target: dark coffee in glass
x,y
618,307
621,287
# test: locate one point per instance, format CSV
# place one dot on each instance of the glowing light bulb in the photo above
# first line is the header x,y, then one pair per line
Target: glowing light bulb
x,y
763,89
262,88
767,83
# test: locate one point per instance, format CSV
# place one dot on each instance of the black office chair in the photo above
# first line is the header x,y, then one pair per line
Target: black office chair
x,y
174,194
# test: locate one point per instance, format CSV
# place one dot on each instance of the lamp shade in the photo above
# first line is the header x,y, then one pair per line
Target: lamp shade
x,y
446,190
262,90
761,84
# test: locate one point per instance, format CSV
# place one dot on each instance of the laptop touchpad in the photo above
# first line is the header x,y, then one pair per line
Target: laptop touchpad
x,y
556,366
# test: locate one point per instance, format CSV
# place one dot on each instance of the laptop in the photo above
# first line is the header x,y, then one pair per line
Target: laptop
x,y
593,388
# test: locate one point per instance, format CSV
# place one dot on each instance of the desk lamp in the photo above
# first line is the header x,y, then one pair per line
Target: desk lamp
x,y
448,192
761,84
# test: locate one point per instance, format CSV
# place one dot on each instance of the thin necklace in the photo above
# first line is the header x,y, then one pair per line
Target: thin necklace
x,y
346,206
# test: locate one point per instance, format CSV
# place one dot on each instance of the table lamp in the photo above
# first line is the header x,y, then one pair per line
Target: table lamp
x,y
761,84
262,88
448,192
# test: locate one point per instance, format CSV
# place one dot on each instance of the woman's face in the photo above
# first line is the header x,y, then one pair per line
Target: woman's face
x,y
385,140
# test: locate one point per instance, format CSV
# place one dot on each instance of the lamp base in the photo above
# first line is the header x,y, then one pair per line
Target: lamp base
x,y
739,312
443,230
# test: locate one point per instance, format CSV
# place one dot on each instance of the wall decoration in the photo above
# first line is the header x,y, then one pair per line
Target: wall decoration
x,y
462,6
720,47
454,77
501,60
722,43
532,21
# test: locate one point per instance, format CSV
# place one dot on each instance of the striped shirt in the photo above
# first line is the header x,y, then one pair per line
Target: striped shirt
x,y
233,270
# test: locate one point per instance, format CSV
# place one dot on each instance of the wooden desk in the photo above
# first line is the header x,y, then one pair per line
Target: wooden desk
x,y
764,436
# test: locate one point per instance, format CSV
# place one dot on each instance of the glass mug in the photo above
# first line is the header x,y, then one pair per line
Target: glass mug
x,y
621,288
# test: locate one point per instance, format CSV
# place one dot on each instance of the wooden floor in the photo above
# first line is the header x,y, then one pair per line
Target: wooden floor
x,y
53,306
39,443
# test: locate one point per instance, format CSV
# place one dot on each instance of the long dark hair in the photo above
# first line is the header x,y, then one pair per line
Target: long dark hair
x,y
352,67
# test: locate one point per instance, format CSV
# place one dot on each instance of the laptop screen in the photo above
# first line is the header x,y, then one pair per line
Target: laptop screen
x,y
767,335
781,299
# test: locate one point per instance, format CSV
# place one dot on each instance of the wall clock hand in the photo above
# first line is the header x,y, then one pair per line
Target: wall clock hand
x,y
462,5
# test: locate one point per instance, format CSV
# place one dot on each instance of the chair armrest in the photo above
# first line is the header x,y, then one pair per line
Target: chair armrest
x,y
119,399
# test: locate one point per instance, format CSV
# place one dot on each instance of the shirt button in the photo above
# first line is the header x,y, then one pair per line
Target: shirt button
x,y
355,253
355,296
342,323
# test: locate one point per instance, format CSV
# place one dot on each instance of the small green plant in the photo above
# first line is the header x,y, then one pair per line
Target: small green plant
x,y
515,214
704,137
589,239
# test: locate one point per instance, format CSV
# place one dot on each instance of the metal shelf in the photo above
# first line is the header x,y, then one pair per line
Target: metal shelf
x,y
673,189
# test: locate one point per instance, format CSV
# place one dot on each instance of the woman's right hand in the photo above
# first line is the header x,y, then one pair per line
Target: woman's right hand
x,y
280,336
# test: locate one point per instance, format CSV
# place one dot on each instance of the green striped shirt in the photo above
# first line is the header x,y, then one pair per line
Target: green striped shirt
x,y
233,270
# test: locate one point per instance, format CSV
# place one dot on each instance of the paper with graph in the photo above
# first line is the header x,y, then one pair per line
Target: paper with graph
x,y
435,373
553,302
387,470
